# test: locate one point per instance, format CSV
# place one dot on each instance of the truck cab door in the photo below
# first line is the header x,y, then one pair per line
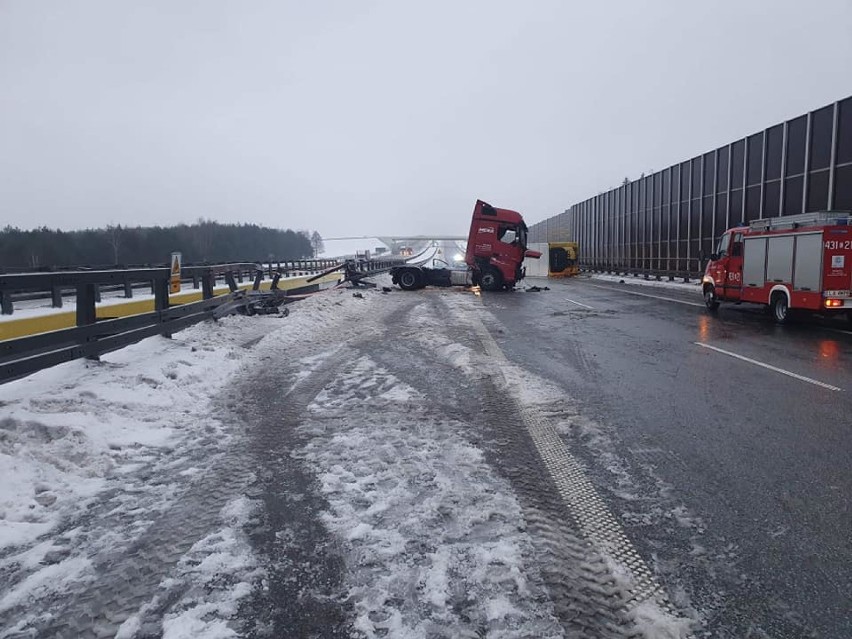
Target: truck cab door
x,y
726,266
733,268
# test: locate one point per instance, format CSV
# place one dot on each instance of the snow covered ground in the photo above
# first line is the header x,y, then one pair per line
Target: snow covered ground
x,y
84,431
137,490
693,286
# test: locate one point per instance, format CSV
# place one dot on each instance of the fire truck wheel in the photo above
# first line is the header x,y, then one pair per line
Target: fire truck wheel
x,y
710,300
780,308
408,280
491,280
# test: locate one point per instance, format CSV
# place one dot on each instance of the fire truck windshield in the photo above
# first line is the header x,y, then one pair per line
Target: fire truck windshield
x,y
724,243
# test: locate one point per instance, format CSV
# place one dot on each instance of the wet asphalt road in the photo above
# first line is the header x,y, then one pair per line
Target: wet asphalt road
x,y
732,479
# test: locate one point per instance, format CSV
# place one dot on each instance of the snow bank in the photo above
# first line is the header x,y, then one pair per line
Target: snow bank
x,y
693,286
127,434
209,582
65,430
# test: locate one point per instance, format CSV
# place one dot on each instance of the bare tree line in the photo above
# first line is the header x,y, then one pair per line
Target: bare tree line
x,y
203,241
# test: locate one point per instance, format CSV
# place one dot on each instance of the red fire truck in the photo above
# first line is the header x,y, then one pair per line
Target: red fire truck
x,y
792,262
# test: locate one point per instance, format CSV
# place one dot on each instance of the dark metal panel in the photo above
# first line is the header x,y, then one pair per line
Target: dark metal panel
x,y
45,281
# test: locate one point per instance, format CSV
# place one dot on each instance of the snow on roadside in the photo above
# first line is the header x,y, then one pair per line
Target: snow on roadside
x,y
129,432
693,286
436,540
65,430
208,584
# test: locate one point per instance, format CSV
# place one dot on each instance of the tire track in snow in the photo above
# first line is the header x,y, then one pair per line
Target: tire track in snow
x,y
626,599
394,464
303,595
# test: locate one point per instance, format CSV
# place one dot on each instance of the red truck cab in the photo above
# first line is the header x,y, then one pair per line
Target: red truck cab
x,y
494,258
496,247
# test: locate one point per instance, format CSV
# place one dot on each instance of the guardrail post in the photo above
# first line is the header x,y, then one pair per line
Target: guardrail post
x,y
128,289
86,305
258,276
207,284
56,296
5,303
275,278
161,301
196,281
86,314
97,292
232,283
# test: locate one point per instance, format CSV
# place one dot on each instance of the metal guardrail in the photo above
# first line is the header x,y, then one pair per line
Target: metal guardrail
x,y
196,274
672,268
355,271
278,265
92,337
26,355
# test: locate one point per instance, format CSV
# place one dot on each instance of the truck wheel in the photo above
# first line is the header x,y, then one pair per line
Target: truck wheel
x,y
409,280
710,299
491,280
780,308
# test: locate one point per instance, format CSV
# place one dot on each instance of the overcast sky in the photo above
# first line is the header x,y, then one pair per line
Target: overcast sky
x,y
383,116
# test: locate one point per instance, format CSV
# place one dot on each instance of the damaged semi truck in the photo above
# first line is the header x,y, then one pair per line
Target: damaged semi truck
x,y
496,248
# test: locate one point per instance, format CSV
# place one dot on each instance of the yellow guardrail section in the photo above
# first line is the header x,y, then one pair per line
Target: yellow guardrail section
x,y
13,328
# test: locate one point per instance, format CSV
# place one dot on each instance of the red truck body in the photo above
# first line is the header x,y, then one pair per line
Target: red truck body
x,y
496,247
793,262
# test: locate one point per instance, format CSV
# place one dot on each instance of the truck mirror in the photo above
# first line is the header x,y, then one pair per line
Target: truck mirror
x,y
714,257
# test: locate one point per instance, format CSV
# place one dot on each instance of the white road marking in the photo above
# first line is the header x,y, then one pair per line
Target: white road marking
x,y
770,367
579,303
656,297
598,524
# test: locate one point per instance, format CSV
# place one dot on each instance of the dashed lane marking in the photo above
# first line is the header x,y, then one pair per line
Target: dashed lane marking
x,y
579,303
656,297
802,378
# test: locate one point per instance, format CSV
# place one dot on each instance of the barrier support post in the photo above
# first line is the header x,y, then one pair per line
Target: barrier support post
x,y
86,314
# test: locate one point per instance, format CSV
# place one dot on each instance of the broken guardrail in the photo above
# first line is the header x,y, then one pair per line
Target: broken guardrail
x,y
92,337
189,273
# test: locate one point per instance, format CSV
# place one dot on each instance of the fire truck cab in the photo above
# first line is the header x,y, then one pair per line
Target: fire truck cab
x,y
792,262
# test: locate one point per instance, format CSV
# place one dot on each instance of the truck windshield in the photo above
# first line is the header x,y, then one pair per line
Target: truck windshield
x,y
724,243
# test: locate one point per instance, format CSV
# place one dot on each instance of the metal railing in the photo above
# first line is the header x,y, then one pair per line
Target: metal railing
x,y
92,337
195,274
656,268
